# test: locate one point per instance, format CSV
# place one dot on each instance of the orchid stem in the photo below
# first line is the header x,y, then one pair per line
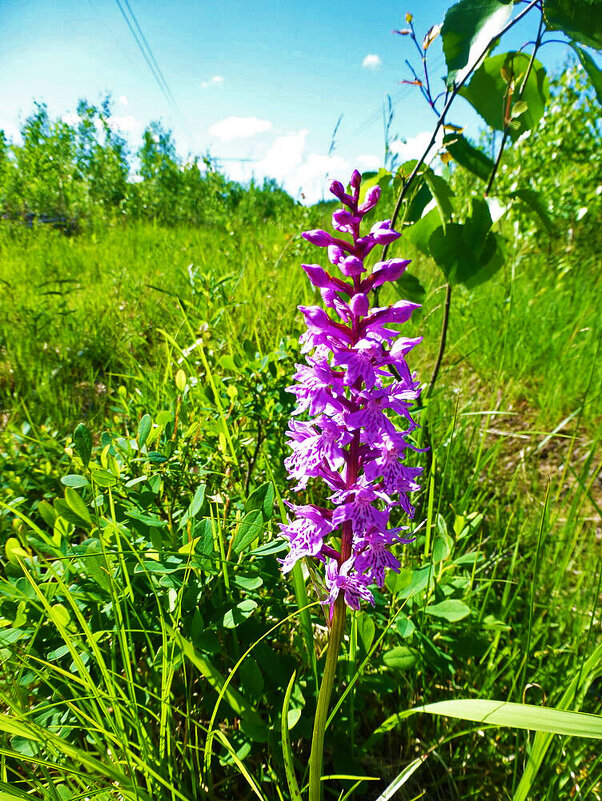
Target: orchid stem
x,y
317,741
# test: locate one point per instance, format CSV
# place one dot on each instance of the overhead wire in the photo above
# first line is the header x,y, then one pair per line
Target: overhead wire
x,y
147,53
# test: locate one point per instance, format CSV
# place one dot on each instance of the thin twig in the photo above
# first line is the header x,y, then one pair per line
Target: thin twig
x,y
441,120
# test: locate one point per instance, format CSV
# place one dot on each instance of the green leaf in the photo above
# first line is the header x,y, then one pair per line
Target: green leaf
x,y
248,583
249,529
520,716
442,194
144,427
442,547
400,658
579,19
287,753
196,504
262,498
234,617
365,630
410,288
416,203
77,506
420,233
451,610
498,80
468,253
14,551
405,626
103,478
535,202
82,442
463,23
75,481
591,68
401,778
468,156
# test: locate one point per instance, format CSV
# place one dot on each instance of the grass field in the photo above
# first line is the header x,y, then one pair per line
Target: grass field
x,y
94,329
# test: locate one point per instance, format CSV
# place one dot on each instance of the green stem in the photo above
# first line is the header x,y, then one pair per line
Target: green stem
x,y
317,741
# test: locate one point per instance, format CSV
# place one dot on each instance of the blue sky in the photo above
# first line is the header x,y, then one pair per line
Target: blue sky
x,y
260,86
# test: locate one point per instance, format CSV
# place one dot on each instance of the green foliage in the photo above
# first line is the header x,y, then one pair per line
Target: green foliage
x,y
147,638
509,92
80,173
578,19
462,25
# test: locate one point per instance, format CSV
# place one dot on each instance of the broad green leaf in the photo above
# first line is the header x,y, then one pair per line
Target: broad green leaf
x,y
415,204
75,481
410,288
421,578
104,478
442,194
234,617
468,156
77,506
365,630
405,627
249,529
579,19
535,202
82,441
442,547
465,252
400,658
496,84
144,427
467,28
196,504
594,73
14,550
248,583
451,610
262,498
420,233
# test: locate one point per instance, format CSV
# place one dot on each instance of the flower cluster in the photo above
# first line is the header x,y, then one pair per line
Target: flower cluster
x,y
354,384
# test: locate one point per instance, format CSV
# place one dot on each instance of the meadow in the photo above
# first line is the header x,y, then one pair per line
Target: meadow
x,y
151,648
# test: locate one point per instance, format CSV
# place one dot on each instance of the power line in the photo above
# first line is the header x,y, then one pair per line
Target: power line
x,y
147,53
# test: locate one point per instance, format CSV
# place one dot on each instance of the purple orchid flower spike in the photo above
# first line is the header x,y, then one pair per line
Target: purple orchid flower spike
x,y
354,386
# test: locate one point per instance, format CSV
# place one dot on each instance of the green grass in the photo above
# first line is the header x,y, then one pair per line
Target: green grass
x,y
94,329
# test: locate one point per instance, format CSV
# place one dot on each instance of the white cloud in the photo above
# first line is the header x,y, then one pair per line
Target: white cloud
x,y
217,80
125,123
303,175
368,163
415,146
372,61
123,101
71,118
239,128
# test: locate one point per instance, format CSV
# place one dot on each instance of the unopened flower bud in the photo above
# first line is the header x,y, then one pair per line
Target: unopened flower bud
x,y
351,266
359,305
371,199
318,237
